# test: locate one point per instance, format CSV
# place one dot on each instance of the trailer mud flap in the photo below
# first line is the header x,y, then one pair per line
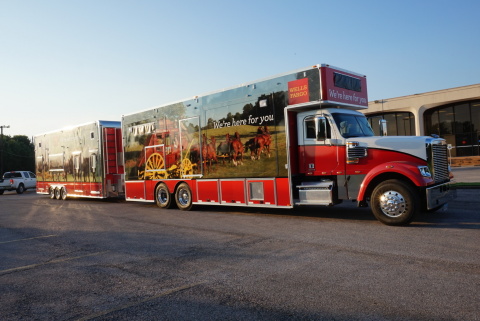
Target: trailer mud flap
x,y
439,195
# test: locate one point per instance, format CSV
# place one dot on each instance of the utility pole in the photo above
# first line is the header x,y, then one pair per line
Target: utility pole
x,y
1,147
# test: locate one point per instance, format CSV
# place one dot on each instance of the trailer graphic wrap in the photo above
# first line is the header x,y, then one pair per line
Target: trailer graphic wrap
x,y
69,157
202,138
83,161
238,132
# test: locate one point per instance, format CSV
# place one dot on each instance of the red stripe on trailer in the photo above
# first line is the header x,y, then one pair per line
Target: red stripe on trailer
x,y
207,191
135,190
284,197
232,191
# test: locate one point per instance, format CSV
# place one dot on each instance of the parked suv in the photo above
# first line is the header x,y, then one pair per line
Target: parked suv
x,y
18,180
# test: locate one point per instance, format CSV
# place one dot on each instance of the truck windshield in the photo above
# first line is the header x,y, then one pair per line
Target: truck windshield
x,y
352,126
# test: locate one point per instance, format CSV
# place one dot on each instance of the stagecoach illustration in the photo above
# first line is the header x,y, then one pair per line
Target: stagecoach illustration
x,y
169,151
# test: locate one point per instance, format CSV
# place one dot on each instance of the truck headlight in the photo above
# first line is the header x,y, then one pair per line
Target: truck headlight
x,y
425,171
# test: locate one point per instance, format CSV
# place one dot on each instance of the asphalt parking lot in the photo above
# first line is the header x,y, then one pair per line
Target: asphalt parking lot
x,y
116,260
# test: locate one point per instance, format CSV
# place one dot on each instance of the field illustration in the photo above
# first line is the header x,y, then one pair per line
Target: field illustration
x,y
241,138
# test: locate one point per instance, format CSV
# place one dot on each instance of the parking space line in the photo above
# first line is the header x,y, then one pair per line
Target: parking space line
x,y
126,306
20,268
27,239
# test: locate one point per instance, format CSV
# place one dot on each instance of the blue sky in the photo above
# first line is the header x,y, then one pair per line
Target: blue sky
x,y
70,62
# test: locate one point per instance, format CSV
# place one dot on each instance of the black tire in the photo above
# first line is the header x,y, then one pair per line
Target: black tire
x,y
1,191
20,189
51,193
63,193
395,202
57,193
163,197
183,197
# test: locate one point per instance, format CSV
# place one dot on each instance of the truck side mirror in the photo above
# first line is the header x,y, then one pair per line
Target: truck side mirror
x,y
383,127
322,128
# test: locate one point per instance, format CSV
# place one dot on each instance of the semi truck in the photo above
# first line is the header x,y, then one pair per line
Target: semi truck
x,y
81,161
291,140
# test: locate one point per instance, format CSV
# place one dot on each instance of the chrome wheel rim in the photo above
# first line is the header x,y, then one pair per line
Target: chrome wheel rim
x,y
393,204
183,197
162,196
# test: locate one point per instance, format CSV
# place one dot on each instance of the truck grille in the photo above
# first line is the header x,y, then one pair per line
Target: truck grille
x,y
440,162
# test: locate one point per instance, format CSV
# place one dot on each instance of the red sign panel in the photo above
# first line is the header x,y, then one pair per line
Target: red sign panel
x,y
298,91
343,87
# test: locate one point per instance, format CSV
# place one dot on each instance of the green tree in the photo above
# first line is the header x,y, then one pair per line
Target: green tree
x,y
18,153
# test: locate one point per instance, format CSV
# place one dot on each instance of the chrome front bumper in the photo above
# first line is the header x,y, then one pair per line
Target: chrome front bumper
x,y
439,195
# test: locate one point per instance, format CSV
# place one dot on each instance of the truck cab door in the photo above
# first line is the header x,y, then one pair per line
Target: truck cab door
x,y
318,156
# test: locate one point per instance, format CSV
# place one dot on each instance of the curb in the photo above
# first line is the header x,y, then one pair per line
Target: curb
x,y
466,185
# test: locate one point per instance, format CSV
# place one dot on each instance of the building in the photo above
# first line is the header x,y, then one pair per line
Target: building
x,y
453,114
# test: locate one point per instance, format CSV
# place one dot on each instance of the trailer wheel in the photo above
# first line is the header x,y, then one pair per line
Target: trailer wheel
x,y
20,189
63,193
51,193
57,194
183,197
394,202
163,198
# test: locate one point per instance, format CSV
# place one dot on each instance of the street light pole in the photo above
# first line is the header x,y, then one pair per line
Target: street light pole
x,y
383,122
1,147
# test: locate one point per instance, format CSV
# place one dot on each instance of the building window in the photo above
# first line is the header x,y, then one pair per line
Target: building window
x,y
398,123
458,124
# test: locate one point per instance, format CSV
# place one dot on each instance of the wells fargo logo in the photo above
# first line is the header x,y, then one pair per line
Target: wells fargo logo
x,y
298,91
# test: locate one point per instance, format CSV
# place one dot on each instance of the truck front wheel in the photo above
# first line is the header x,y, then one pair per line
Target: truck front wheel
x,y
394,202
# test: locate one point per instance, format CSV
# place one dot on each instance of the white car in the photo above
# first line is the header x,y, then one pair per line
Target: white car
x,y
18,180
